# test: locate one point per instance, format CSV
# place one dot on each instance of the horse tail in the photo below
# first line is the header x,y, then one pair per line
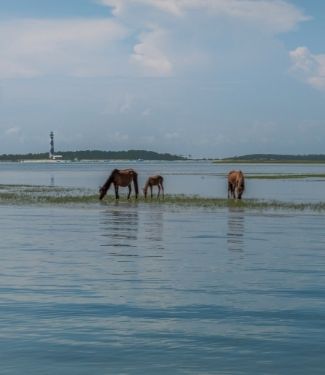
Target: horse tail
x,y
242,180
135,181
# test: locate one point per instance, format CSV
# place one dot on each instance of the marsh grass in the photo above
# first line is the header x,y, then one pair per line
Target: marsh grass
x,y
27,194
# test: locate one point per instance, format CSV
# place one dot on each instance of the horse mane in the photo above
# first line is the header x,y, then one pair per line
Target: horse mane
x,y
109,181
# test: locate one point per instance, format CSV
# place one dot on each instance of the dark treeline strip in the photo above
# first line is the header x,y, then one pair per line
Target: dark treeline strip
x,y
274,158
95,155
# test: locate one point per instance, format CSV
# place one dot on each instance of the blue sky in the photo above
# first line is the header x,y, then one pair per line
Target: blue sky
x,y
210,78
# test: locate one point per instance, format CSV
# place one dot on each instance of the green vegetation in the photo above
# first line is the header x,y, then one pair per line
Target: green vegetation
x,y
47,195
274,158
95,155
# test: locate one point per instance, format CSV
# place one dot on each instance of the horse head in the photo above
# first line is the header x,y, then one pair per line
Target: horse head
x,y
102,192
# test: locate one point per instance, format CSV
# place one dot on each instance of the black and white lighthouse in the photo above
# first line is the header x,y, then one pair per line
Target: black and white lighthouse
x,y
52,156
51,153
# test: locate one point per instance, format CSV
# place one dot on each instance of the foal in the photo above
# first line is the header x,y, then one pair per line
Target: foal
x,y
154,181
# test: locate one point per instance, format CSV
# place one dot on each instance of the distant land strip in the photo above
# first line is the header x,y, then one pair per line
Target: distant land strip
x,y
95,155
274,158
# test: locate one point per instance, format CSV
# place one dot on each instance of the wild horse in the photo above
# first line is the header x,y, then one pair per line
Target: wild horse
x,y
236,184
154,181
120,177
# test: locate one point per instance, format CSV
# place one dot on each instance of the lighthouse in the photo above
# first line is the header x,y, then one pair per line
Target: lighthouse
x,y
52,156
51,153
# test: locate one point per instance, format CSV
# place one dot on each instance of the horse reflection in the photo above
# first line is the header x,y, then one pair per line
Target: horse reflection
x,y
236,228
120,228
154,233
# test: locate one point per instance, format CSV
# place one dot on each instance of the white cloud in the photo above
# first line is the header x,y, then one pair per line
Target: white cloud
x,y
173,135
272,15
101,47
13,131
118,6
119,137
309,67
74,47
148,54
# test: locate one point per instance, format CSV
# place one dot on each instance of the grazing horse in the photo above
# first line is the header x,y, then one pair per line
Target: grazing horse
x,y
154,181
120,177
236,184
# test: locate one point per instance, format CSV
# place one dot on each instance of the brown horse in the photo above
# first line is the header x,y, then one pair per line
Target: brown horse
x,y
120,177
236,184
154,181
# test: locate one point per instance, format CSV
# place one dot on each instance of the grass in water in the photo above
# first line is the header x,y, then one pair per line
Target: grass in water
x,y
23,194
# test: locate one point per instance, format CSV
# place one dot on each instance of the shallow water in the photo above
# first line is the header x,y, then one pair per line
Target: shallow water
x,y
202,178
142,289
135,288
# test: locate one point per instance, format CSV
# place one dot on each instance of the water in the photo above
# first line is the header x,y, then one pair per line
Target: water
x,y
140,289
191,178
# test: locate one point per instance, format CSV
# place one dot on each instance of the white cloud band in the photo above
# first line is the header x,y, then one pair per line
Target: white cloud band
x,y
309,67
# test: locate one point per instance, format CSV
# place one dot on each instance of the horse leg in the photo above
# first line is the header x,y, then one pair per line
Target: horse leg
x,y
130,189
158,191
150,190
116,191
232,191
162,189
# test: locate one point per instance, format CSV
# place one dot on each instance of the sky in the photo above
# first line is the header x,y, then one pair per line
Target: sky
x,y
206,78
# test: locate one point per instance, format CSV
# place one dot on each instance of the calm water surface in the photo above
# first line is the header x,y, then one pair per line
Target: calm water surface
x,y
202,178
137,289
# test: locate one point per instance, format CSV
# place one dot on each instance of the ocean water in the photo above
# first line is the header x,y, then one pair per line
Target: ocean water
x,y
131,288
202,178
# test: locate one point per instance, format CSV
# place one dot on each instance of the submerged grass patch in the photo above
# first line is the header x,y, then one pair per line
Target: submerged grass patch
x,y
27,194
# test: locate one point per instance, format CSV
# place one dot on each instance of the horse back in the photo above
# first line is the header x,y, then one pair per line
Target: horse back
x,y
236,177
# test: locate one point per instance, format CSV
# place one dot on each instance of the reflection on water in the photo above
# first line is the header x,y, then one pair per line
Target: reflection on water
x,y
120,227
90,291
153,227
52,181
236,228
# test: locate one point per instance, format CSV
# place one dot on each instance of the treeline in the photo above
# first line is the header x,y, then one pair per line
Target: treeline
x,y
95,155
276,158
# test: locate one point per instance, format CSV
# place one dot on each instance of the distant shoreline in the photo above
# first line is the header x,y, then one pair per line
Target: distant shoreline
x,y
252,161
91,155
143,155
274,159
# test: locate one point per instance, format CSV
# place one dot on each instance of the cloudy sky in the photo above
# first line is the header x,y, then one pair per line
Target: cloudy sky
x,y
210,78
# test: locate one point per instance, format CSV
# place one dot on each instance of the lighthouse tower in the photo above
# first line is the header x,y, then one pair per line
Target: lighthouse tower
x,y
52,156
51,153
